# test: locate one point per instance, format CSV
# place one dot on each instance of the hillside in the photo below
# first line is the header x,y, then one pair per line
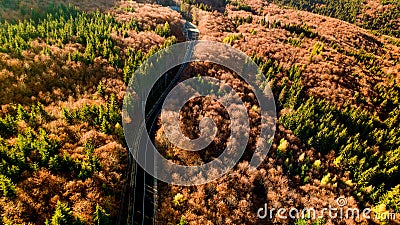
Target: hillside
x,y
336,89
333,67
381,17
63,158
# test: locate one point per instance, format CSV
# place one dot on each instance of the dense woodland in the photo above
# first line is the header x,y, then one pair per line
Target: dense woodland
x,y
336,89
381,18
64,70
63,158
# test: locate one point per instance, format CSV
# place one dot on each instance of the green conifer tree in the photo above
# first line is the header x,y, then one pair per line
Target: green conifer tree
x,y
62,215
100,216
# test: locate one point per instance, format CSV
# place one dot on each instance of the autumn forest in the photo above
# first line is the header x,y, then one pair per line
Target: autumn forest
x,y
333,67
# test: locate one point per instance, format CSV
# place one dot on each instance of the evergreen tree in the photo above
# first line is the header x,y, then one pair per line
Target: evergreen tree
x,y
105,126
7,187
62,215
22,114
8,126
100,216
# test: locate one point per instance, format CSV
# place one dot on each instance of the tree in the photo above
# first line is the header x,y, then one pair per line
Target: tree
x,y
90,164
69,117
105,126
8,126
7,187
62,215
163,31
101,88
89,54
100,216
182,221
113,111
21,113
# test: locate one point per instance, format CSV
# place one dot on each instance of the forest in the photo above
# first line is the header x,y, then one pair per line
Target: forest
x,y
332,65
384,21
63,158
336,92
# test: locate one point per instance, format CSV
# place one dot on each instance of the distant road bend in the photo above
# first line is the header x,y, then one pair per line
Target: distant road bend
x,y
140,196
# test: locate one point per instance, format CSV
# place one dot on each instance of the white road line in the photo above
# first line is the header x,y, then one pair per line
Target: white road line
x,y
143,129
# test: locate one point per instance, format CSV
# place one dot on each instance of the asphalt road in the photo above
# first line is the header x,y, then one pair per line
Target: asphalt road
x,y
142,190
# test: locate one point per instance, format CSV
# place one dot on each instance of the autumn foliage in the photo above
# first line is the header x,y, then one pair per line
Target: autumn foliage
x,y
63,158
